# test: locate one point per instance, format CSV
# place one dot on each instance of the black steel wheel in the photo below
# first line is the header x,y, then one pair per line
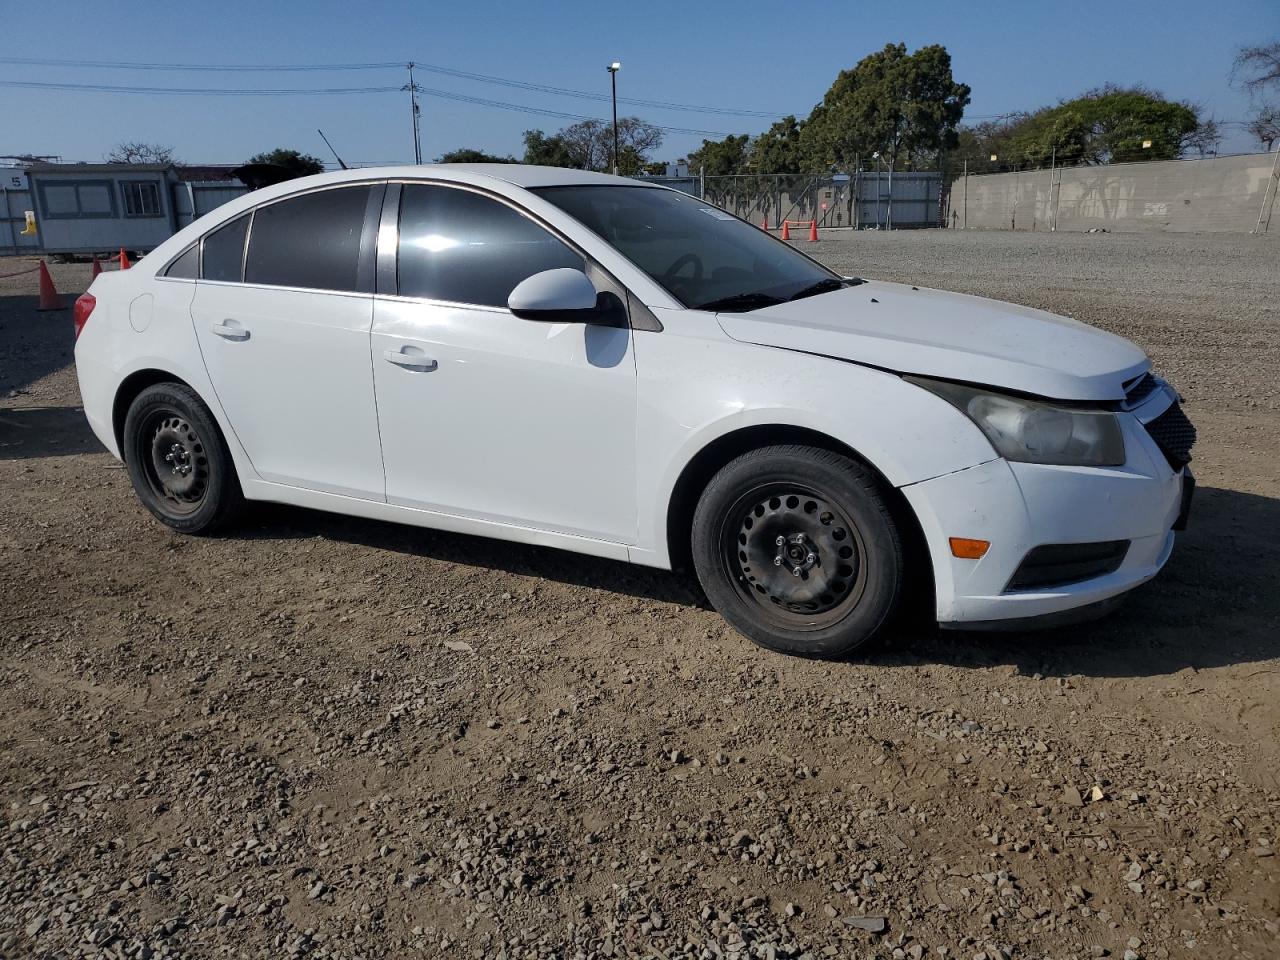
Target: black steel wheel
x,y
795,546
178,460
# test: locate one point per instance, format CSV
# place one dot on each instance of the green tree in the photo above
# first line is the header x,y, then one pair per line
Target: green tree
x,y
298,164
779,149
469,155
1107,125
903,106
546,151
718,158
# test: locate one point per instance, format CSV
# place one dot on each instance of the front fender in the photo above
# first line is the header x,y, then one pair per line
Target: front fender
x,y
696,387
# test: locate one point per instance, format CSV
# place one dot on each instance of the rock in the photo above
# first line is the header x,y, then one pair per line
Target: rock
x,y
1134,872
1071,797
1196,886
35,926
1096,794
458,646
869,924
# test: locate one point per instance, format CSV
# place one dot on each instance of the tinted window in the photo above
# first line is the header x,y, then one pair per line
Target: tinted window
x,y
184,267
460,246
703,256
310,241
224,251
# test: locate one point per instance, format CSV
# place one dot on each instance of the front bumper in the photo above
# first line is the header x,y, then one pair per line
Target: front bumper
x,y
1019,506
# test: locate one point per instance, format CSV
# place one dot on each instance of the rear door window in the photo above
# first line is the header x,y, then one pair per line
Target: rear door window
x,y
223,257
312,241
462,247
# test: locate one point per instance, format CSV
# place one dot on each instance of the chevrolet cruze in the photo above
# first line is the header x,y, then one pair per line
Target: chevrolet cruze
x,y
592,363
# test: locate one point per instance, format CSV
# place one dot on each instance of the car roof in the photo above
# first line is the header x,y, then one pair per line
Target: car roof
x,y
517,174
526,175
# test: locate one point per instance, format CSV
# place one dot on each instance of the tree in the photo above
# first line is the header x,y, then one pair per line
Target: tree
x,y
894,103
468,155
546,151
298,164
1205,138
718,158
139,152
1257,70
779,149
1101,126
1265,125
588,145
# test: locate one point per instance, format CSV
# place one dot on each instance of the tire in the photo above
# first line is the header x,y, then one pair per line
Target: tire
x,y
836,577
179,462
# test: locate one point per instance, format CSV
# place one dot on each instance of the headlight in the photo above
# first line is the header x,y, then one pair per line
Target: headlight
x,y
1033,431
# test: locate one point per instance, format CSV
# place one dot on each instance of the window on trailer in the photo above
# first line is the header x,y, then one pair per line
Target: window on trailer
x,y
141,198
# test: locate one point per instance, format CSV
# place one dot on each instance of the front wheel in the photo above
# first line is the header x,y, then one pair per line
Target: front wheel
x,y
795,547
178,461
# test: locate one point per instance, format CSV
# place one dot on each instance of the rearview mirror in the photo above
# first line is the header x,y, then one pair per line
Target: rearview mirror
x,y
563,295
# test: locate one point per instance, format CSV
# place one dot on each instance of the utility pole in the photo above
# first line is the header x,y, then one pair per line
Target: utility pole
x,y
613,83
413,106
964,221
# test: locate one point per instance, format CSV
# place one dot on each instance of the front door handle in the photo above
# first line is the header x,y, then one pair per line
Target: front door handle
x,y
230,330
410,361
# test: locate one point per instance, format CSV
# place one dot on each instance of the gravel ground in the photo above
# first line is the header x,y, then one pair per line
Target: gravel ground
x,y
326,737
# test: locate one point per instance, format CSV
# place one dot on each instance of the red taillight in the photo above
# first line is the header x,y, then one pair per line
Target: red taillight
x,y
84,306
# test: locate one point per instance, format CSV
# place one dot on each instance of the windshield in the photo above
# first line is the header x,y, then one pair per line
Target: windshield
x,y
704,257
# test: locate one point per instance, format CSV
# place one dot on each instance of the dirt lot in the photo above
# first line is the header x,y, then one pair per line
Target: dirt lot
x,y
336,738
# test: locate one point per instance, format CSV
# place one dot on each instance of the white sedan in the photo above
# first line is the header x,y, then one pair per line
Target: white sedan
x,y
596,364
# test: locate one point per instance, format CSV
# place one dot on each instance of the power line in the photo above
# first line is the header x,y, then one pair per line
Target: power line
x,y
399,65
324,91
202,67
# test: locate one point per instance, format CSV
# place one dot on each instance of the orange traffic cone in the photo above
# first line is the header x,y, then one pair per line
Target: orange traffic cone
x,y
786,231
813,231
124,260
97,269
49,297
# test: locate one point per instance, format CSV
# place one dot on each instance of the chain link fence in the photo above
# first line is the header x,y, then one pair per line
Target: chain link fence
x,y
861,200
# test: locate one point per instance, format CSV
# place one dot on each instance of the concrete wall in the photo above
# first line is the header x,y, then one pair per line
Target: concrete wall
x,y
1220,195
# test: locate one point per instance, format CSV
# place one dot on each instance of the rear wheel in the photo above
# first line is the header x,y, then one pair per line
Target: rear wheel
x,y
796,548
178,460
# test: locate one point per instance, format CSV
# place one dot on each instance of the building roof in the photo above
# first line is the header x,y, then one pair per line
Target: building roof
x,y
99,167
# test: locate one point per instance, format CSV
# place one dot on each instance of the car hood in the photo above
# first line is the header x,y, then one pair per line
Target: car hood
x,y
951,336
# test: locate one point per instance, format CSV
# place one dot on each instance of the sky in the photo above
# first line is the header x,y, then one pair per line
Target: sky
x,y
747,56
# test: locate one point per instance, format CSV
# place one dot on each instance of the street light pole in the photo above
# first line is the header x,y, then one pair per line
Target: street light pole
x,y
613,83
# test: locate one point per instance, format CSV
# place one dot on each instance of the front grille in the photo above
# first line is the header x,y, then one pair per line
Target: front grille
x,y
1060,564
1146,385
1174,434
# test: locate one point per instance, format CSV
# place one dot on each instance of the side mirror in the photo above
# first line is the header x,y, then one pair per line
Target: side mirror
x,y
563,295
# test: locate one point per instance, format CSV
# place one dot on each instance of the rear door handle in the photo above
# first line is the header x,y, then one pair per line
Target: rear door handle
x,y
410,361
230,330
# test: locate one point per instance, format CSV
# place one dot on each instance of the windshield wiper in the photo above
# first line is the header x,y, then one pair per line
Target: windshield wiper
x,y
741,302
822,286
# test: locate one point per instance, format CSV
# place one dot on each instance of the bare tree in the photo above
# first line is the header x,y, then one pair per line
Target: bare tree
x,y
139,152
1265,125
1205,138
1257,69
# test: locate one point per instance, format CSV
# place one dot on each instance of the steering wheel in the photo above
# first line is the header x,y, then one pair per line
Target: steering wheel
x,y
680,263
